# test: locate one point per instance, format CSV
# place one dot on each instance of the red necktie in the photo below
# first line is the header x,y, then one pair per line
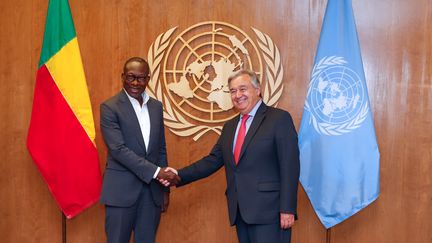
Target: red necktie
x,y
240,138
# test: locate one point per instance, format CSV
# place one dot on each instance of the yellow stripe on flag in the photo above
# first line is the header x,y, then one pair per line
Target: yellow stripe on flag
x,y
68,73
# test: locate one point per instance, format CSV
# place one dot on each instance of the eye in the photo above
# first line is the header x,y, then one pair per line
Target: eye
x,y
130,78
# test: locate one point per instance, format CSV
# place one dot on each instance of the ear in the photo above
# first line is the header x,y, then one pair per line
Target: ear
x,y
258,91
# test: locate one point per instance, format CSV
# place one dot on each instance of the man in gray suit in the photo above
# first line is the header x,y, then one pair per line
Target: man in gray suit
x,y
133,131
261,158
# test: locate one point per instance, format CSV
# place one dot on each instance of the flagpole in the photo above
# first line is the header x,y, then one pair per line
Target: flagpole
x,y
328,235
63,228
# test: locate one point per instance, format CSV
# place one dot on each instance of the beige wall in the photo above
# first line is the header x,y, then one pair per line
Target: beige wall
x,y
396,41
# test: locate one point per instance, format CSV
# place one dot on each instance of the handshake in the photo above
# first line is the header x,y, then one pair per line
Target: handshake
x,y
168,176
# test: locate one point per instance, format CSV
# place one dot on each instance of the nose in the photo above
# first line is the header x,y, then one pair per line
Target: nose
x,y
238,94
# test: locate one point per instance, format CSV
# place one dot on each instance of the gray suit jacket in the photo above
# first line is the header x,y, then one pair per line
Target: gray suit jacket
x,y
265,181
129,166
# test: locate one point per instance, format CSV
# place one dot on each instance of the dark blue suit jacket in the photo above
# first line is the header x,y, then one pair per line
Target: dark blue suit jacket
x,y
265,181
129,165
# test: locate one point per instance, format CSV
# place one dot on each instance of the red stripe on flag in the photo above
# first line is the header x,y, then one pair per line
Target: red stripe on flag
x,y
61,149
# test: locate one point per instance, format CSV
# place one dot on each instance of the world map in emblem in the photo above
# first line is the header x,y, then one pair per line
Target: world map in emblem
x,y
336,95
219,92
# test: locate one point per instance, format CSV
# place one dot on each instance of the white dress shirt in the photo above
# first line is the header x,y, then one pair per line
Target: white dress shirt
x,y
143,116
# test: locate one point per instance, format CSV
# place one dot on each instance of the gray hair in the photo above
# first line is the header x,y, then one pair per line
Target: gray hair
x,y
250,73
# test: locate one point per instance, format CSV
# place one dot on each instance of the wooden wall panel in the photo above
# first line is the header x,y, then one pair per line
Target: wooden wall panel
x,y
396,46
27,212
396,41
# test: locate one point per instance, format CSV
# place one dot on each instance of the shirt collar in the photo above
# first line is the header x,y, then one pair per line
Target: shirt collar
x,y
145,96
254,110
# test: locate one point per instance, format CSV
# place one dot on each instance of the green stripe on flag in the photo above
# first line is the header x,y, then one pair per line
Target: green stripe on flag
x,y
59,29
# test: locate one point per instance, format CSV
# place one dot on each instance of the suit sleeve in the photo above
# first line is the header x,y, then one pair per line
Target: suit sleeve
x,y
204,167
113,138
288,156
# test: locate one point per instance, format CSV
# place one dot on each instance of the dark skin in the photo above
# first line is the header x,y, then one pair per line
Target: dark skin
x,y
135,88
135,78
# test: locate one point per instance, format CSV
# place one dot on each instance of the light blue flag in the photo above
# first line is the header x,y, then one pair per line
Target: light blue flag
x,y
338,150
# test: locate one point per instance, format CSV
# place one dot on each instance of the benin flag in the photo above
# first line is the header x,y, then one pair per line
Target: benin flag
x,y
61,134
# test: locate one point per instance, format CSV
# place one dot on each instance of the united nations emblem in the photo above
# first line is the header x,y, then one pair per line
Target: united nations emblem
x,y
190,74
336,97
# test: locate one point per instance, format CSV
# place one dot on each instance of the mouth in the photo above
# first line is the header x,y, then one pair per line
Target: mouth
x,y
241,101
134,90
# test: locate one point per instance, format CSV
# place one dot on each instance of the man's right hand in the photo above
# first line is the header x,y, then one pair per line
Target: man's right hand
x,y
168,176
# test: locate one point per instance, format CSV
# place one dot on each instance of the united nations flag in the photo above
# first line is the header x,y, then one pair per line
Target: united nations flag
x,y
338,150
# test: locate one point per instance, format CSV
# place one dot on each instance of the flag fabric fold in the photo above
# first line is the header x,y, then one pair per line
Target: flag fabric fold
x,y
61,133
339,154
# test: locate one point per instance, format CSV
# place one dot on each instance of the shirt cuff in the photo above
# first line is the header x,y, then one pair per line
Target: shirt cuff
x,y
157,172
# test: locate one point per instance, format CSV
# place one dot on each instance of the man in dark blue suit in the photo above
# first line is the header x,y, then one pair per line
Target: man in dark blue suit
x,y
261,158
133,131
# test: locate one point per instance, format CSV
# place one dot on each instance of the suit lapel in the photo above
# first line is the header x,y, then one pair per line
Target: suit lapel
x,y
153,123
259,117
231,129
126,106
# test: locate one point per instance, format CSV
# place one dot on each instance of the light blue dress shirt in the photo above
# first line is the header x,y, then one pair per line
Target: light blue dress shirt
x,y
248,121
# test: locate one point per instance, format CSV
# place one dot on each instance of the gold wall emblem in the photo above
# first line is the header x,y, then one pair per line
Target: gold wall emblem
x,y
190,74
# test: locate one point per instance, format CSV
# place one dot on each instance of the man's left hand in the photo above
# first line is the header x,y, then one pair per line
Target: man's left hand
x,y
286,220
165,203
